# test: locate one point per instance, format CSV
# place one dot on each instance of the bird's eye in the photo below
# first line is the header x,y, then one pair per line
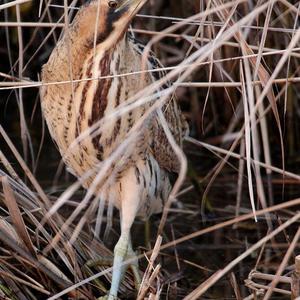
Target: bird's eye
x,y
113,4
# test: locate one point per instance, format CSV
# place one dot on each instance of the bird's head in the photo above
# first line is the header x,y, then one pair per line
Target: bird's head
x,y
112,17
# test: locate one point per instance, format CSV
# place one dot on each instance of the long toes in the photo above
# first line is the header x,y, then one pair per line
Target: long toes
x,y
136,275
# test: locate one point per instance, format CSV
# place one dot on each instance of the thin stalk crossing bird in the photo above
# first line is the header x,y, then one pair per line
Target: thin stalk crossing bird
x,y
81,87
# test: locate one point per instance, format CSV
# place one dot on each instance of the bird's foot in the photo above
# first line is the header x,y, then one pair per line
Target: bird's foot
x,y
136,273
134,266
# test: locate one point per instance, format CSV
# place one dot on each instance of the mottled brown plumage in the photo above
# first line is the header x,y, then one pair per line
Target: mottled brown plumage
x,y
74,100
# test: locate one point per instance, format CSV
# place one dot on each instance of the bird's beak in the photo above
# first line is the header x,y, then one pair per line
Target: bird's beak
x,y
132,5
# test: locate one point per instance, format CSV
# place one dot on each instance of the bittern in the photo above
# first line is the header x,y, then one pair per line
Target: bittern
x,y
81,88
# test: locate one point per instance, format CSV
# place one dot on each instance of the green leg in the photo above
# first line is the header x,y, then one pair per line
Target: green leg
x,y
130,201
119,255
134,266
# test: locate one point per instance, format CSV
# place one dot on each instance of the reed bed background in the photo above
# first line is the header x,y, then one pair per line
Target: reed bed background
x,y
233,232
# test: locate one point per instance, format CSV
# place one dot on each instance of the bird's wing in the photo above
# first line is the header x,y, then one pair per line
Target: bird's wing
x,y
162,150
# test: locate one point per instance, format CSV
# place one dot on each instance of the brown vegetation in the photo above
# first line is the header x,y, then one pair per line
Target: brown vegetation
x,y
234,66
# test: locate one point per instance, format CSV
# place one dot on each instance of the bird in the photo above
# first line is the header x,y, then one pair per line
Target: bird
x,y
80,87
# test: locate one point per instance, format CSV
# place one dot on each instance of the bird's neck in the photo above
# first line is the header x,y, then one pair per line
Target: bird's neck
x,y
89,33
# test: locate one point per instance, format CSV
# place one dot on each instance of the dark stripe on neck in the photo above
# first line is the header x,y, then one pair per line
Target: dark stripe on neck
x,y
100,99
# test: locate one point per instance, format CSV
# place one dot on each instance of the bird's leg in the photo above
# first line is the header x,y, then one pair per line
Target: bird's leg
x,y
134,265
129,206
119,268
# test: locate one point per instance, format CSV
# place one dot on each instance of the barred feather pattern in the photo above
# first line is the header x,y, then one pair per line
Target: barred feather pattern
x,y
71,108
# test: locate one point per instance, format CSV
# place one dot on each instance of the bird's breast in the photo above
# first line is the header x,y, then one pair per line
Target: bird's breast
x,y
79,114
